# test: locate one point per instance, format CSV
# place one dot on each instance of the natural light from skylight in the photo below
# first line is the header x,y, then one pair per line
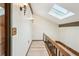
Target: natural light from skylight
x,y
60,12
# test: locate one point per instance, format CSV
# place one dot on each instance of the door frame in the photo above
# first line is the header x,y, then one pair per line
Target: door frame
x,y
7,29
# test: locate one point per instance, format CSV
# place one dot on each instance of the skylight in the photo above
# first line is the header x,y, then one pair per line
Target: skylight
x,y
2,11
60,12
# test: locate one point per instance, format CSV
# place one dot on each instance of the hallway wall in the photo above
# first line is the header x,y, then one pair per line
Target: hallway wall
x,y
42,25
67,35
70,36
23,24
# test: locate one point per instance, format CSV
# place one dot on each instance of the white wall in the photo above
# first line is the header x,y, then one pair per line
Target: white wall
x,y
21,41
70,36
42,25
67,35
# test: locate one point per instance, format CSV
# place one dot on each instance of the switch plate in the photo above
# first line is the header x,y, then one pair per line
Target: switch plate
x,y
14,31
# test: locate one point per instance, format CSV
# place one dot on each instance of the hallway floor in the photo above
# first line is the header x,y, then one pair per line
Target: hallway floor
x,y
37,48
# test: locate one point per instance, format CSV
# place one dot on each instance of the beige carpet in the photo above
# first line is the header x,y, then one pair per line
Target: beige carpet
x,y
37,49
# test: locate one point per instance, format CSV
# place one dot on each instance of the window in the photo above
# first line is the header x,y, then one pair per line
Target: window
x,y
60,12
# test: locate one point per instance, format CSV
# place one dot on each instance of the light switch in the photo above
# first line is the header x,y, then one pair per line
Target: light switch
x,y
14,31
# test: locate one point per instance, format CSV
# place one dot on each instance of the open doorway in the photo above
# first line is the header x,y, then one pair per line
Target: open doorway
x,y
4,29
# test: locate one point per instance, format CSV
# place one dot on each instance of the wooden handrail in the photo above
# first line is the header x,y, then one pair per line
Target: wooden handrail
x,y
69,48
63,49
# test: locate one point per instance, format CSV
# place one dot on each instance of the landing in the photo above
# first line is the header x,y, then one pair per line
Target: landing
x,y
37,49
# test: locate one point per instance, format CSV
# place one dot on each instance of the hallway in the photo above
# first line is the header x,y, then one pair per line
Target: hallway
x,y
37,48
39,29
30,26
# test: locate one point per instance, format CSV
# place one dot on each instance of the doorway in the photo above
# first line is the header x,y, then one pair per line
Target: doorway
x,y
5,29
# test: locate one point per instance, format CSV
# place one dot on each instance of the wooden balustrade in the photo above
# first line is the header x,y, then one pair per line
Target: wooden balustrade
x,y
57,48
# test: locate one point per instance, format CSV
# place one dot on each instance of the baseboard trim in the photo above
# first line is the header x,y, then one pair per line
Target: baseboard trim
x,y
28,49
37,40
30,46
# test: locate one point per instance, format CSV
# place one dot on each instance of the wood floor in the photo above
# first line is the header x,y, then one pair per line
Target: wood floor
x,y
37,49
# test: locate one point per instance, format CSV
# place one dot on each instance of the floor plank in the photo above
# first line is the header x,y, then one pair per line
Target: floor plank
x,y
37,49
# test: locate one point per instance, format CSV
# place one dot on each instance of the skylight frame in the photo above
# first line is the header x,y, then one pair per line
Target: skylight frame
x,y
60,12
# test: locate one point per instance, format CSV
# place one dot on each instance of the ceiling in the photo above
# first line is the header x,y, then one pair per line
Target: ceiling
x,y
42,10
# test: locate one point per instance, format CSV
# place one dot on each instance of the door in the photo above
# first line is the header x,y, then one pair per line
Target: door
x,y
2,30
